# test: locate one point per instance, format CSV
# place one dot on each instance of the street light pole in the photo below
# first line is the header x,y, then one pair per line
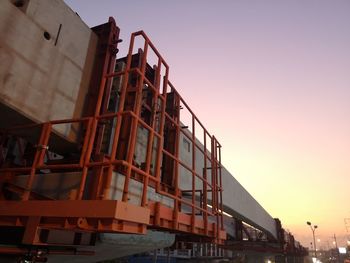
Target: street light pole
x,y
313,234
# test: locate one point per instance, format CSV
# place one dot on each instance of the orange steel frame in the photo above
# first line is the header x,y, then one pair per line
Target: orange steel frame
x,y
95,212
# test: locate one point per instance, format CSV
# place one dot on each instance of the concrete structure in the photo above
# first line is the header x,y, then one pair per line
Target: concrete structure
x,y
111,246
46,55
47,79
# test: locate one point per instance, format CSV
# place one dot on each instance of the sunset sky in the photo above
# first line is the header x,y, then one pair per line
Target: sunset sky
x,y
271,79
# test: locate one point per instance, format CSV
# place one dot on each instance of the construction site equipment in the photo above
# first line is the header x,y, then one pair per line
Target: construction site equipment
x,y
121,174
125,155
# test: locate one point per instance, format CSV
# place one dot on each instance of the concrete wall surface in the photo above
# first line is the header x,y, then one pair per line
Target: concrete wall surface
x,y
119,245
46,55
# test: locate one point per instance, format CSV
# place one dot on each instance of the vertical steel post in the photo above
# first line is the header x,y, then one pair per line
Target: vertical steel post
x,y
193,215
135,122
38,158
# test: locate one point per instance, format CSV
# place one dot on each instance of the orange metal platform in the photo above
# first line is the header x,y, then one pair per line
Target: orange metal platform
x,y
147,101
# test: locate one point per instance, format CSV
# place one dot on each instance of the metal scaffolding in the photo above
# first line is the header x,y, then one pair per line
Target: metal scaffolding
x,y
146,104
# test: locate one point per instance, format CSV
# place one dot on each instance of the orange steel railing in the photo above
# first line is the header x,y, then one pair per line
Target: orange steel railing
x,y
149,105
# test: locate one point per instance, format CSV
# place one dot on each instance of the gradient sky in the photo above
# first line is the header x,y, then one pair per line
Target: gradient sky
x,y
271,79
